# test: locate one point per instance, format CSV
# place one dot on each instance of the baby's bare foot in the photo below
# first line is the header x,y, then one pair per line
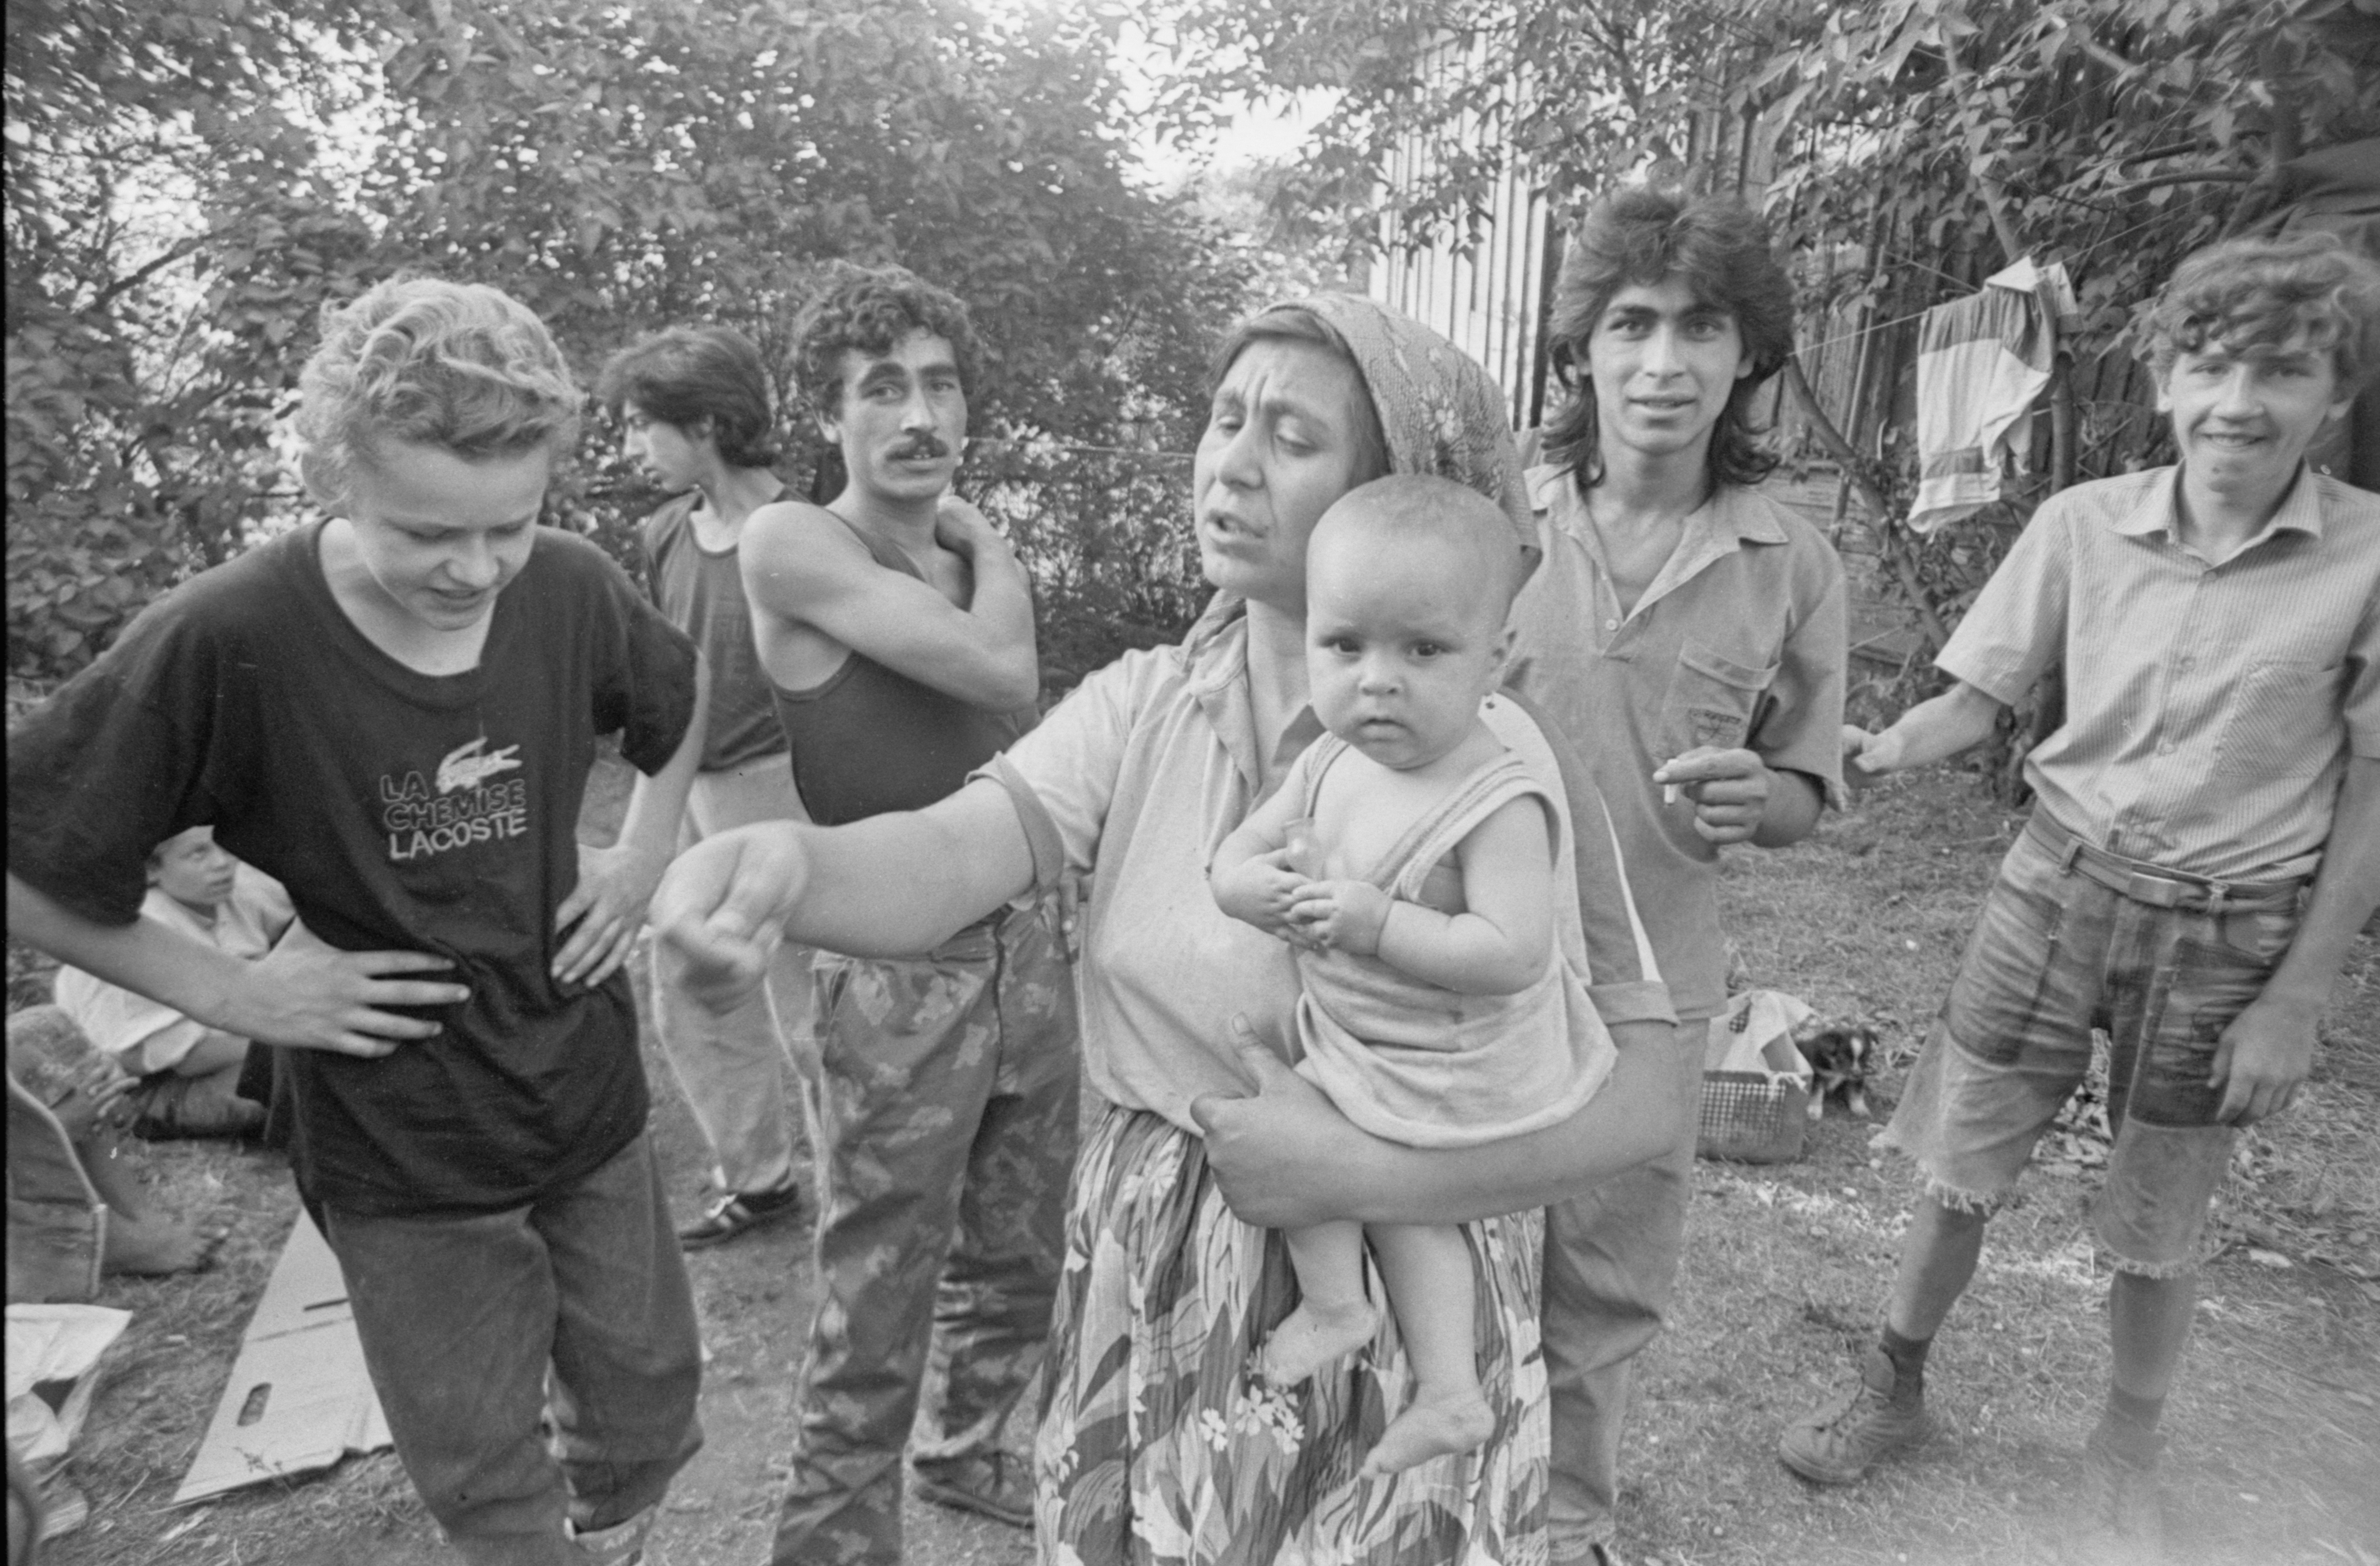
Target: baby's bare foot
x,y
1433,1425
1311,1338
151,1247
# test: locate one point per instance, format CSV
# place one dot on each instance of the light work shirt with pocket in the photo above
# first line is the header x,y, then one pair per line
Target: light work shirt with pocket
x,y
2210,708
1737,643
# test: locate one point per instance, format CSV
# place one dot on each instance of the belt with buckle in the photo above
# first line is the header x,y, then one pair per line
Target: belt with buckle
x,y
2158,889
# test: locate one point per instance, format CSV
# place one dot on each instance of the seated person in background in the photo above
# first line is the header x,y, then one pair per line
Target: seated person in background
x,y
186,1075
1412,858
2205,845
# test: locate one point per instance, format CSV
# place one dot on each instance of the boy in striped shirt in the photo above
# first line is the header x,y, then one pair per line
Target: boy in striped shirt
x,y
2204,847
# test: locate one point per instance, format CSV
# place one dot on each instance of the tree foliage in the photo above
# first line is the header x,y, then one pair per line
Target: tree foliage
x,y
1903,149
2087,117
146,149
2117,134
183,200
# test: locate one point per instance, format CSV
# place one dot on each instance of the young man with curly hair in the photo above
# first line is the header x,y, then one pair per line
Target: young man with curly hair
x,y
393,712
695,407
2204,844
896,629
1688,633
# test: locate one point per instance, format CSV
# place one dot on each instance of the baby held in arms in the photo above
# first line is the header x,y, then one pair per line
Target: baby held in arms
x,y
1420,867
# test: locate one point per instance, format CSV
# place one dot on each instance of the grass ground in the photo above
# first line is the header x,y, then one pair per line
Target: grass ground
x,y
2275,1427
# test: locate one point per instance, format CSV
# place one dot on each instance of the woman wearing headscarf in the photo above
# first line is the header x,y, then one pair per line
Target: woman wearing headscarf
x,y
1157,1445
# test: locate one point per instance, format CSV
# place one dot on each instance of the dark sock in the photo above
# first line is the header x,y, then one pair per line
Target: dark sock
x,y
1908,1356
2130,1415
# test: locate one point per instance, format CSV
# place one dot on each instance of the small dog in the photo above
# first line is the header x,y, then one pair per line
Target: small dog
x,y
1839,1054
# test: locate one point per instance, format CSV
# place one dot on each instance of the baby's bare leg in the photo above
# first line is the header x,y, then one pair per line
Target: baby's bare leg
x,y
1333,1315
1428,1268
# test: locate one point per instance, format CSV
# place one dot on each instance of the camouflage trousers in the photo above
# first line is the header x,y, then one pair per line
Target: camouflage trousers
x,y
942,1107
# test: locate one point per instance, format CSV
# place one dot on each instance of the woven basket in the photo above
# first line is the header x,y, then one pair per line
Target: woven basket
x,y
1752,1118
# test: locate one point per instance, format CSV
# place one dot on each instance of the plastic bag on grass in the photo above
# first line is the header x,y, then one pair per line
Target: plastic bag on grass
x,y
54,1354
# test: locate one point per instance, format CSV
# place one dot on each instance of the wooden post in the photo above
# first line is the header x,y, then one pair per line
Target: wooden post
x,y
2065,460
1848,461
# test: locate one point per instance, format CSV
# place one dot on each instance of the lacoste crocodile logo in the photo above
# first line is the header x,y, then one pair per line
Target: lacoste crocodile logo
x,y
463,767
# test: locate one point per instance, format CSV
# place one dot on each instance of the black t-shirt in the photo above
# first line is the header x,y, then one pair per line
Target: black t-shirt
x,y
867,739
403,812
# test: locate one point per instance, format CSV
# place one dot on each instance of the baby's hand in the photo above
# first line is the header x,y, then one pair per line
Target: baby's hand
x,y
1345,916
1259,892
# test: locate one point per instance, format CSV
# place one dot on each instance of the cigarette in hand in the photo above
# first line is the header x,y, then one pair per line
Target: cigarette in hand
x,y
1669,794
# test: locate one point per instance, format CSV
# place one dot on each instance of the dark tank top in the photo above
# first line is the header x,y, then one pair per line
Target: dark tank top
x,y
866,740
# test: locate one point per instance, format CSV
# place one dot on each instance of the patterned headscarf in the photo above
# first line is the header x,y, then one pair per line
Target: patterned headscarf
x,y
1441,412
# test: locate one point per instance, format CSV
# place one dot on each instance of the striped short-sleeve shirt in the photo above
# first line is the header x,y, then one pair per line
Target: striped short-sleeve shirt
x,y
2210,709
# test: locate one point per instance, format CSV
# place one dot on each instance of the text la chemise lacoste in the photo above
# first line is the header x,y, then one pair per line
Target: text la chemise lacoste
x,y
456,805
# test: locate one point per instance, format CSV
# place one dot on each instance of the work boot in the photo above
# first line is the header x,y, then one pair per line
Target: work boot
x,y
2122,1520
1840,1443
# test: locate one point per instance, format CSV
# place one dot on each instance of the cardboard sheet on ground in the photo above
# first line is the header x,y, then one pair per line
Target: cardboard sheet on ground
x,y
299,1398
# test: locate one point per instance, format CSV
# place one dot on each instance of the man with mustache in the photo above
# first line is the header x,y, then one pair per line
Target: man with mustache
x,y
896,628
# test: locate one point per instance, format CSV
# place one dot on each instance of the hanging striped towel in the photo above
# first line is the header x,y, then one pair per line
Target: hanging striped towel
x,y
1980,361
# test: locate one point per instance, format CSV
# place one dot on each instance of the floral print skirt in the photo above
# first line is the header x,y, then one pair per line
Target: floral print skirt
x,y
1159,1448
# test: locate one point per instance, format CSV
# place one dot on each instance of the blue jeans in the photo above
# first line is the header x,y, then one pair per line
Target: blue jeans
x,y
2054,956
478,1328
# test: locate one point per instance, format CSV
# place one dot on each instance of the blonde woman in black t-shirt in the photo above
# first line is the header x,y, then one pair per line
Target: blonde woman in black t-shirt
x,y
393,712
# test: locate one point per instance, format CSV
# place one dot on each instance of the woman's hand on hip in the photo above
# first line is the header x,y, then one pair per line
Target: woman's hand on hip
x,y
604,912
315,996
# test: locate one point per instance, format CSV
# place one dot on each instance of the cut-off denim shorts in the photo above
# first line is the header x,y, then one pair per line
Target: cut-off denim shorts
x,y
2055,954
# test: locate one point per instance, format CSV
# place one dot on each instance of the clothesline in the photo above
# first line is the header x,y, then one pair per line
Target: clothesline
x,y
1889,259
1859,332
